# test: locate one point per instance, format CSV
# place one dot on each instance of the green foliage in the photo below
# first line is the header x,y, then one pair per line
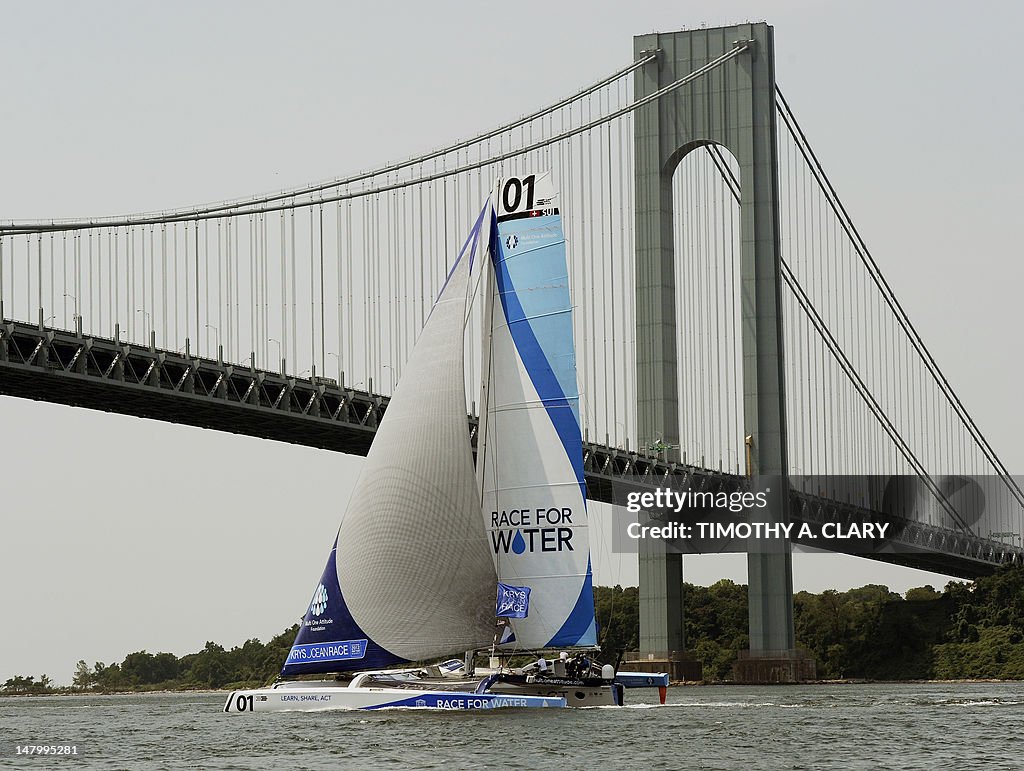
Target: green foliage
x,y
842,629
148,669
715,625
83,678
997,653
971,630
617,611
997,600
922,594
27,685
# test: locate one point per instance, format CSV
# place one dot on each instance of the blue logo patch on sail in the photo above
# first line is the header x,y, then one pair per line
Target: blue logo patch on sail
x,y
328,651
513,601
319,603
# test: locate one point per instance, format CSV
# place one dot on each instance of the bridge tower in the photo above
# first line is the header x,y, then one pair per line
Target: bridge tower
x,y
734,107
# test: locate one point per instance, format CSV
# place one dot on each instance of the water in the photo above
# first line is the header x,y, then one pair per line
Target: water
x,y
927,726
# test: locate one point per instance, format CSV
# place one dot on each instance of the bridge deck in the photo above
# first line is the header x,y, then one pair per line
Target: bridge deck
x,y
64,367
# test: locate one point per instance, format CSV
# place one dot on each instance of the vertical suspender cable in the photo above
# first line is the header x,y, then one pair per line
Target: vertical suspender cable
x,y
323,355
312,295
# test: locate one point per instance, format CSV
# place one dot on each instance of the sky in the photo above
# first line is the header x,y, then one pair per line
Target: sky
x,y
121,534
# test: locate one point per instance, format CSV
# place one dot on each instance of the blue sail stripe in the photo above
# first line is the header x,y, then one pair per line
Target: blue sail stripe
x,y
579,627
542,375
343,646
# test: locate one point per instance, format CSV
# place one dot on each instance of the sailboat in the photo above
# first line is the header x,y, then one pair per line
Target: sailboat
x,y
437,556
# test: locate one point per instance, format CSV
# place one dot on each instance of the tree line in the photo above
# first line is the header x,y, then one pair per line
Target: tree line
x,y
973,630
250,664
967,631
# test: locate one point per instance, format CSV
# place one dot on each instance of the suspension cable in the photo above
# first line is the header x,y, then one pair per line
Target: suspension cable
x,y
15,228
840,356
193,213
890,297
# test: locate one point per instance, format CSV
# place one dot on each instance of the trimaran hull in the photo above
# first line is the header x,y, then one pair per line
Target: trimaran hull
x,y
384,689
326,697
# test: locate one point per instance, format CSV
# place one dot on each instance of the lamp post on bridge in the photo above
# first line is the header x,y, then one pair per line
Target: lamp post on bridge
x,y
280,356
220,351
147,320
77,318
391,373
341,375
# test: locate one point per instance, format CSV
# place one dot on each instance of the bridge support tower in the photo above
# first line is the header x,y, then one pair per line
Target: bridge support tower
x,y
732,106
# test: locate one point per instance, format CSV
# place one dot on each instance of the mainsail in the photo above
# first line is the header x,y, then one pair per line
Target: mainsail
x,y
410,576
530,458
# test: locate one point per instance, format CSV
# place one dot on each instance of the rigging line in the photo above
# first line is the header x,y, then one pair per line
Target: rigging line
x,y
387,170
890,297
20,227
840,356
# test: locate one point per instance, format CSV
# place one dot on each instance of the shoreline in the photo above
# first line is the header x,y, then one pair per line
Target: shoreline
x,y
844,681
672,684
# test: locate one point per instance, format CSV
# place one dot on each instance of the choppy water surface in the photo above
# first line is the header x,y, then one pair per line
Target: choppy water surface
x,y
961,726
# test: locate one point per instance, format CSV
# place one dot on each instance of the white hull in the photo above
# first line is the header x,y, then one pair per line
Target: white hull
x,y
319,697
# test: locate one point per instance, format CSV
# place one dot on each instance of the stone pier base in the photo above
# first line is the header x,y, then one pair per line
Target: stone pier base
x,y
790,666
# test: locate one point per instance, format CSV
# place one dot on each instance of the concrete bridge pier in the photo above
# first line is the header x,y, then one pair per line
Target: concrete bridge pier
x,y
732,106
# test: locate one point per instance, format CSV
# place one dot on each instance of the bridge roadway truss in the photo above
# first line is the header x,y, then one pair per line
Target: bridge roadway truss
x,y
66,367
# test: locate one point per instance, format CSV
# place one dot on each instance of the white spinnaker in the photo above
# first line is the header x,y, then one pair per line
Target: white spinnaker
x,y
412,557
533,504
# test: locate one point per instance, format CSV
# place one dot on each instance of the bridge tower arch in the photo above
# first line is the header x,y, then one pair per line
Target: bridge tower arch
x,y
733,106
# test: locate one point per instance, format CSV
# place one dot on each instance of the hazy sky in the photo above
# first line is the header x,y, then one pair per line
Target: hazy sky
x,y
120,534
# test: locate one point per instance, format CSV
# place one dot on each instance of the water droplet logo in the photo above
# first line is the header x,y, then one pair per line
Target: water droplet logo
x,y
319,604
519,543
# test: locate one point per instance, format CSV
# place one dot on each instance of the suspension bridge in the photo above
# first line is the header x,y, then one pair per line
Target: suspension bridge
x,y
731,319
